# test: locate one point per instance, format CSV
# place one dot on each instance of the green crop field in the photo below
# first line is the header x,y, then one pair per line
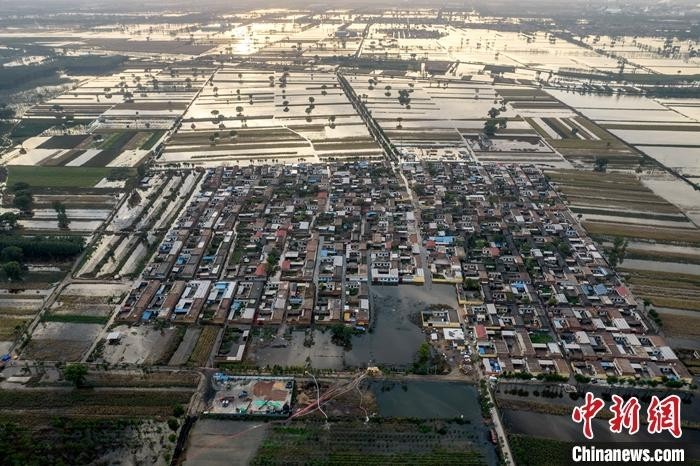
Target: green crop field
x,y
56,177
535,451
352,442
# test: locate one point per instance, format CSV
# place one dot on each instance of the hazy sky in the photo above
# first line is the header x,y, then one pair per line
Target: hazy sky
x,y
515,7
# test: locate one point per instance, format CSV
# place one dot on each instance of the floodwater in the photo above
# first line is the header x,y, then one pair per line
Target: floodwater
x,y
687,159
690,250
677,192
323,354
429,399
396,334
564,429
669,267
642,137
579,100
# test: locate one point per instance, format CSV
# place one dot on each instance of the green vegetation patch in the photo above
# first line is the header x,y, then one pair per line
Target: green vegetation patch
x,y
11,327
536,451
150,142
541,338
56,177
44,247
75,319
64,441
124,403
380,443
203,347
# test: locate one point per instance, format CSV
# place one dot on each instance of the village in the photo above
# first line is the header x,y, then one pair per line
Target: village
x,y
303,245
345,231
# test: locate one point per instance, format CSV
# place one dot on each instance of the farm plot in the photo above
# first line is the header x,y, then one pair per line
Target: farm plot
x,y
139,200
215,441
92,403
184,350
248,115
665,289
11,326
100,252
616,198
99,149
204,346
580,140
61,341
86,303
56,177
428,442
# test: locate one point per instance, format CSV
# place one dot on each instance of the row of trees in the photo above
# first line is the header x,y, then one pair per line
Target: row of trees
x,y
44,248
23,199
61,216
494,123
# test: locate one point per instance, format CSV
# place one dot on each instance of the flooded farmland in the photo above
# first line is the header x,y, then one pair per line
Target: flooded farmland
x,y
562,428
673,267
425,399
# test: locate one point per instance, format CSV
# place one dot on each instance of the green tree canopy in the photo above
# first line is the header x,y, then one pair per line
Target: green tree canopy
x,y
75,373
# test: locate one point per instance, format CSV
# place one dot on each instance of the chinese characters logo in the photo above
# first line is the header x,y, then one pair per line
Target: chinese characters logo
x,y
662,415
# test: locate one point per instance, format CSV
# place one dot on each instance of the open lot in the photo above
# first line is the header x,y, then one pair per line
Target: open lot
x,y
141,345
61,341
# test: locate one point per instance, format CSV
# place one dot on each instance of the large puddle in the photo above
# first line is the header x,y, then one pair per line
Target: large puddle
x,y
396,335
427,399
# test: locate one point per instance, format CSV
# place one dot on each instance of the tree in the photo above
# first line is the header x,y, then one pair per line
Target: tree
x,y
13,270
178,410
490,127
423,354
341,335
61,216
134,199
173,424
8,221
23,201
618,251
75,373
601,164
11,253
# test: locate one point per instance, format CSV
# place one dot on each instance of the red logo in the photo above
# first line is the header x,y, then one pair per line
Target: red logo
x,y
625,415
665,415
662,415
587,412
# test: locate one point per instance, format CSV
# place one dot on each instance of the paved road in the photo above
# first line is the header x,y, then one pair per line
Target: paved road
x,y
500,431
